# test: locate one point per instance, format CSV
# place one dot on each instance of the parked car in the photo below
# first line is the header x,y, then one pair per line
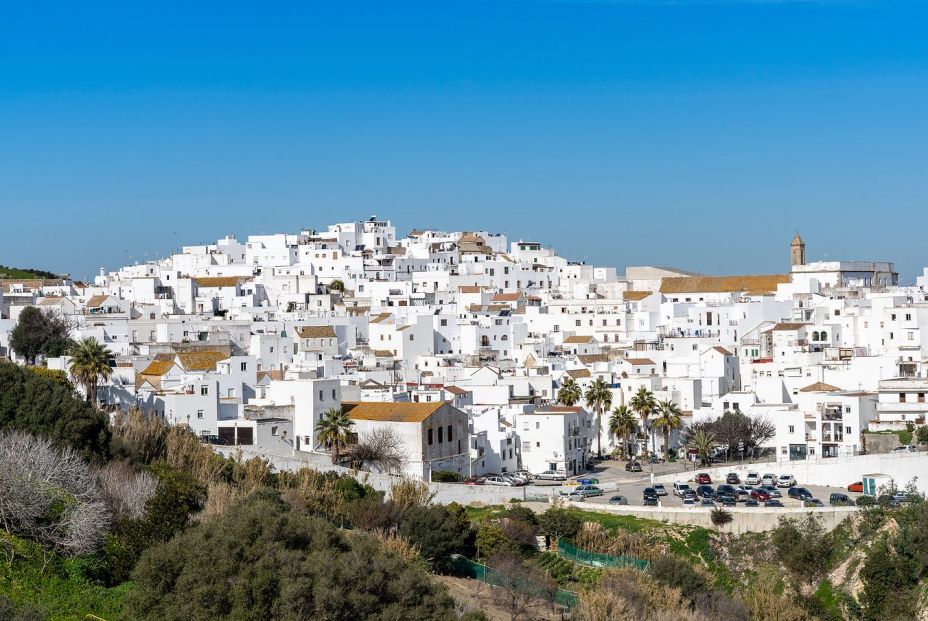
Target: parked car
x,y
587,490
753,478
633,466
551,475
725,488
214,439
760,494
474,481
743,494
838,499
856,487
887,500
910,448
588,481
773,503
732,477
800,493
618,500
660,489
689,502
688,493
750,502
786,480
679,488
902,497
705,491
727,500
812,502
650,502
706,502
768,479
497,480
649,492
573,495
516,479
703,479
772,490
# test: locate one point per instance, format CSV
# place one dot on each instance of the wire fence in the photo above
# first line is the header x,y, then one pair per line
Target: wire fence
x,y
471,569
596,559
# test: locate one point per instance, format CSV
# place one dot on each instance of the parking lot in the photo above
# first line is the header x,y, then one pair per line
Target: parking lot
x,y
614,480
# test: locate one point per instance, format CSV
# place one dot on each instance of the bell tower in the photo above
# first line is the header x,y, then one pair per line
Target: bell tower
x,y
797,251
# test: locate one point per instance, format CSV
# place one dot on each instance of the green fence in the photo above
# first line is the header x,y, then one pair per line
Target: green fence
x,y
470,569
595,559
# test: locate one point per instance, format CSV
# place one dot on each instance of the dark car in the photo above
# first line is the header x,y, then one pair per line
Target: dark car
x,y
812,502
214,439
760,495
706,502
751,503
688,494
650,493
840,500
732,478
773,503
633,466
726,490
728,500
650,502
799,493
703,479
705,491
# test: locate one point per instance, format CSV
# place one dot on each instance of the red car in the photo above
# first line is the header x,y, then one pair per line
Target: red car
x,y
856,487
760,495
703,479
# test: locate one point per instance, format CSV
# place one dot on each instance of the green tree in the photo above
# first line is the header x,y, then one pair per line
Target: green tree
x,y
334,431
557,523
336,285
622,425
921,434
263,560
598,397
89,363
804,548
43,407
569,393
702,440
668,419
644,405
39,333
437,532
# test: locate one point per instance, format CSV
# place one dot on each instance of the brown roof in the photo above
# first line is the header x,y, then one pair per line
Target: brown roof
x,y
159,366
559,409
274,374
722,350
723,284
379,317
819,387
96,301
579,339
507,297
578,373
51,300
470,289
788,326
316,332
201,360
217,281
392,412
639,361
591,358
456,390
383,353
634,296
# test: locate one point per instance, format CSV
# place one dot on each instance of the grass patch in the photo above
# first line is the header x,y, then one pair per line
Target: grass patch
x,y
614,522
567,574
59,589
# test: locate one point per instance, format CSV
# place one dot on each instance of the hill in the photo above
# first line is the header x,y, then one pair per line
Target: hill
x,y
19,273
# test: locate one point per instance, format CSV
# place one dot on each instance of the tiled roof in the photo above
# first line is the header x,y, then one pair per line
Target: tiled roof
x,y
591,358
578,373
383,353
635,296
578,339
639,361
392,412
788,326
819,387
722,350
559,409
507,297
217,281
470,289
456,390
723,284
159,366
96,301
380,317
316,332
201,360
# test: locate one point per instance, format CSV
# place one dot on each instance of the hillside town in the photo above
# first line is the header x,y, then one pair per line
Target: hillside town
x,y
484,355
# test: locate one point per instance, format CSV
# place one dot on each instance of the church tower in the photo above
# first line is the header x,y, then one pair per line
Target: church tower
x,y
797,251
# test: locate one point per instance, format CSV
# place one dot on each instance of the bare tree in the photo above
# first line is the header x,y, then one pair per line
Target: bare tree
x,y
521,586
760,430
126,490
380,449
50,495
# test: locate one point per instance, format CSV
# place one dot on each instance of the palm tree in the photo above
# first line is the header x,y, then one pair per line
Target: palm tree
x,y
334,431
90,362
622,425
703,441
643,404
570,392
598,397
668,420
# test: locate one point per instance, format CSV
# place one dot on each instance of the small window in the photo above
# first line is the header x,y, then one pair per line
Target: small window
x,y
244,366
439,435
199,414
449,433
204,390
429,433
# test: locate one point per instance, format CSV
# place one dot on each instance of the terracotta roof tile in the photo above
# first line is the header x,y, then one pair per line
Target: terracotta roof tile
x,y
723,284
392,412
316,332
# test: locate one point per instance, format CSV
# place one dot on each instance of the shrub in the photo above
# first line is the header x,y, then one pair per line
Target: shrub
x,y
446,476
720,516
866,501
557,523
437,532
674,572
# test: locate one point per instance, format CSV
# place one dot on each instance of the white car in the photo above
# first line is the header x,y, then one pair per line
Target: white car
x,y
515,478
786,480
498,481
753,478
768,479
911,448
689,502
680,488
551,475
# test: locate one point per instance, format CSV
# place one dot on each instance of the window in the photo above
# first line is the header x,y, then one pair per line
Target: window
x,y
430,436
444,322
921,397
538,445
200,414
526,447
901,397
244,366
449,433
204,390
847,430
439,435
274,430
792,429
537,425
321,396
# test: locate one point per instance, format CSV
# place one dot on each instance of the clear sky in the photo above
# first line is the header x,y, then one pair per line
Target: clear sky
x,y
698,134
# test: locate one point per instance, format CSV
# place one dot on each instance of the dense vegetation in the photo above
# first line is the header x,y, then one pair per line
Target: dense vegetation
x,y
23,274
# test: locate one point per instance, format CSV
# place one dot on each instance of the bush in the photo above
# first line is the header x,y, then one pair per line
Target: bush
x,y
674,572
804,548
720,516
437,532
264,560
445,476
866,501
557,523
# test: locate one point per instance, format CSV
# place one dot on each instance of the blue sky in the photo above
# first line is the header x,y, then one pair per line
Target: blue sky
x,y
698,134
